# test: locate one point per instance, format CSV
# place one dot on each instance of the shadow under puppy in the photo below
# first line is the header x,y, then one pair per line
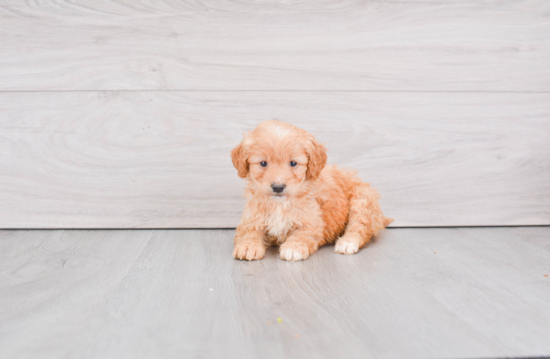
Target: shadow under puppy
x,y
296,201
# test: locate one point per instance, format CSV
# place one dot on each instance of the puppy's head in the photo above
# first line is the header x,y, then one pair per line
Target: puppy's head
x,y
278,158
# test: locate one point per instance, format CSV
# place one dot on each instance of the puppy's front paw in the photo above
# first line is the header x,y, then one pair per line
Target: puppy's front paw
x,y
346,246
249,251
294,251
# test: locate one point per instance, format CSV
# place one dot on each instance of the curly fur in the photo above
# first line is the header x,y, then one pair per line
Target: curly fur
x,y
320,203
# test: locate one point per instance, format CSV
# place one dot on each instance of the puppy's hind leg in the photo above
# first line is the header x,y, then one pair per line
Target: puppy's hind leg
x,y
365,220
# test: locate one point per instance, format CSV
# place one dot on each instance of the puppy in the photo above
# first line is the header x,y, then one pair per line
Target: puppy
x,y
297,202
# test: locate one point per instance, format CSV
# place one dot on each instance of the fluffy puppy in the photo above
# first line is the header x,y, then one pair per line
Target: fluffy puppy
x,y
297,202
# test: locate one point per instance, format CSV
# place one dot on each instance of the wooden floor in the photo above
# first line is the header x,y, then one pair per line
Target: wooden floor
x,y
413,293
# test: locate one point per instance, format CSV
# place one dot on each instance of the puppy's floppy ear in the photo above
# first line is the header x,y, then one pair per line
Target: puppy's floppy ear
x,y
317,158
239,156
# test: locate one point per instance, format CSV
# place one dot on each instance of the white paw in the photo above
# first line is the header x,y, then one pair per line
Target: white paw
x,y
345,247
292,253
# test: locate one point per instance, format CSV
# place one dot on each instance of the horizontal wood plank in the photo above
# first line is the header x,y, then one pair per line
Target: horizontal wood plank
x,y
161,159
275,45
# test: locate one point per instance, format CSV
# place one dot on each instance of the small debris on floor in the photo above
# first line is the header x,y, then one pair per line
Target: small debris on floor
x,y
546,275
269,322
435,252
297,336
279,320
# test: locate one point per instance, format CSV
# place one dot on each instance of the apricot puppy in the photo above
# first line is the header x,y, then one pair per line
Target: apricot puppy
x,y
296,201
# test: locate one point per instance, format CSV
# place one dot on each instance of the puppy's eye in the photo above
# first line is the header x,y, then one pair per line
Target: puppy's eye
x,y
293,164
263,164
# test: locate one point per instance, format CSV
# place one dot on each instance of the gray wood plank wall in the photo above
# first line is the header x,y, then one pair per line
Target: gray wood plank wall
x,y
276,45
122,114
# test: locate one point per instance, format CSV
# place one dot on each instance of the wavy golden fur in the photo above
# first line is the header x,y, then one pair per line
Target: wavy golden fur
x,y
296,201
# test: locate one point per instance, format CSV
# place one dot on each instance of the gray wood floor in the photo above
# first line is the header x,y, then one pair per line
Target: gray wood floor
x,y
414,293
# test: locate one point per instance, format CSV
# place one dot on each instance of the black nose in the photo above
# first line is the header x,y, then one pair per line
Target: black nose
x,y
278,188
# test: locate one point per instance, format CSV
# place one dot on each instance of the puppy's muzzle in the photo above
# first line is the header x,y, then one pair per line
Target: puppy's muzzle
x,y
278,188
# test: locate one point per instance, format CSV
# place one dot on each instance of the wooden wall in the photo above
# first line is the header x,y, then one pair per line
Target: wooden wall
x,y
122,114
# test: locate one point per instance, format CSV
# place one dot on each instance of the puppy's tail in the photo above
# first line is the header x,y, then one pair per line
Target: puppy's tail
x,y
387,221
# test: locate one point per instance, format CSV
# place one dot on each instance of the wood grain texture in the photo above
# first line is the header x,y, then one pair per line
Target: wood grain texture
x,y
275,45
161,159
413,293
